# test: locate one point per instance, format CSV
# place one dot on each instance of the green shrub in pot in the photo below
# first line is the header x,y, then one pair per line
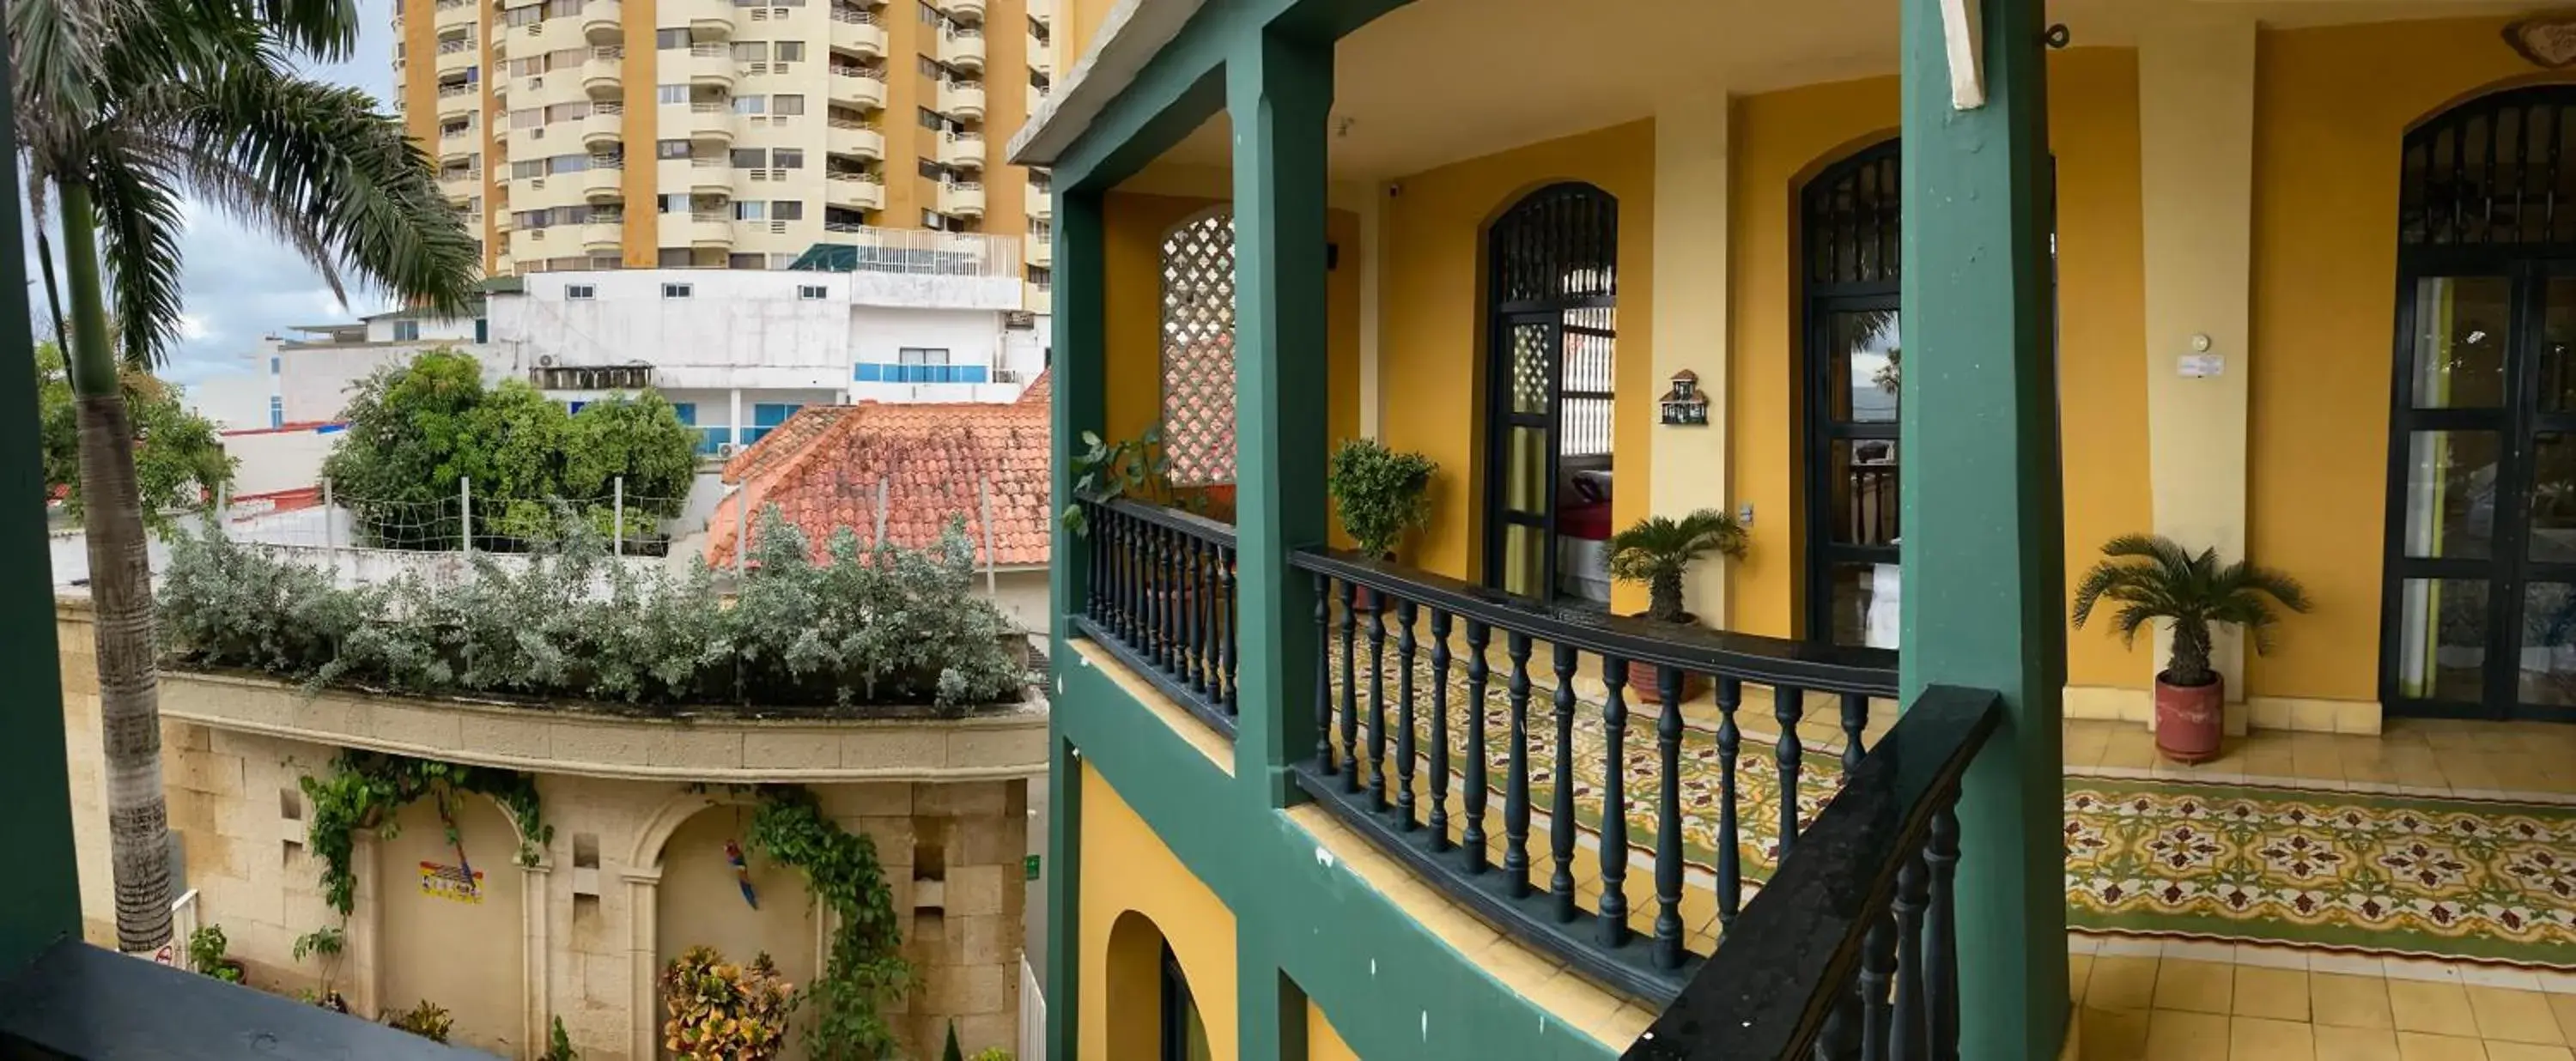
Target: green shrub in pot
x,y
1380,494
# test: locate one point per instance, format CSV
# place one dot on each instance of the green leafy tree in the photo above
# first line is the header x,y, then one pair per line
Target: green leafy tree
x,y
123,107
178,458
416,429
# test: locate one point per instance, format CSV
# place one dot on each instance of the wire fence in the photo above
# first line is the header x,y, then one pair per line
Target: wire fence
x,y
464,521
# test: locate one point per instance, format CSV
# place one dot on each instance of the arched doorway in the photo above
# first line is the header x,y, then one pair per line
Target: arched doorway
x,y
701,903
1552,291
455,934
1851,223
2480,609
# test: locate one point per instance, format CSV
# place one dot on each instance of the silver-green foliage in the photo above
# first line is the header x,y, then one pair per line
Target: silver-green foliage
x,y
885,625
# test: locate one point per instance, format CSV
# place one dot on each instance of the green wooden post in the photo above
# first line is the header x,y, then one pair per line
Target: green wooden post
x,y
1984,523
1278,90
1080,369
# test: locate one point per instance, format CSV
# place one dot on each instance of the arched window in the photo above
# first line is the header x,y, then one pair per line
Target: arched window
x,y
1553,263
1198,349
2480,568
1851,224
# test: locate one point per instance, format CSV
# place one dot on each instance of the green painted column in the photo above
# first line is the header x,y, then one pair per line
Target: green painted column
x,y
1278,90
1984,524
41,903
1080,378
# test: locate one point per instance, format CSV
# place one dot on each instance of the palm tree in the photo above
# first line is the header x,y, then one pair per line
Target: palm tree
x,y
1658,550
123,106
2151,577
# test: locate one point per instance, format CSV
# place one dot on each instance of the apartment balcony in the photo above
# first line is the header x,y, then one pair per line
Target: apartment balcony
x,y
1036,99
605,179
560,31
711,122
712,229
855,140
603,21
961,199
970,10
1040,249
709,176
1036,297
963,100
455,183
458,54
962,150
605,127
459,101
457,145
1041,57
1037,201
604,72
711,65
704,16
453,13
963,48
603,233
854,191
858,33
863,89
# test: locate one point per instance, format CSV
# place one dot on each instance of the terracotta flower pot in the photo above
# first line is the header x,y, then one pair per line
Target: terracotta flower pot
x,y
1645,695
2190,719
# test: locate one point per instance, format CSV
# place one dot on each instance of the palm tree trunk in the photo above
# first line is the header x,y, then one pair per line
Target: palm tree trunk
x,y
120,586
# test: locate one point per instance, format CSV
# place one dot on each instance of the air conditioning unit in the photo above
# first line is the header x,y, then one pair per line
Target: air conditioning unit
x,y
545,360
724,449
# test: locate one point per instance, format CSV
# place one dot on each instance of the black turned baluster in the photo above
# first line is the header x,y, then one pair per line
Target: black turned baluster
x,y
1788,704
1560,826
1150,551
1516,808
1941,963
1478,636
1404,741
1323,666
1439,730
1095,554
1668,820
1614,804
1377,701
1131,585
1855,719
1906,1033
1167,553
1193,656
1840,1038
1730,869
1226,667
1350,690
1114,536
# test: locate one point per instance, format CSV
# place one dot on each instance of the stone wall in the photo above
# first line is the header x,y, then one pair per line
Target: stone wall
x,y
952,848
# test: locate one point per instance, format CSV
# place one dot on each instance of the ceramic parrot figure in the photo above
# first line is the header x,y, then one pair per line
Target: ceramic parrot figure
x,y
741,873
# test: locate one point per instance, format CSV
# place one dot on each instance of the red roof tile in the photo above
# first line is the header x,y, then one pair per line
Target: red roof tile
x,y
823,469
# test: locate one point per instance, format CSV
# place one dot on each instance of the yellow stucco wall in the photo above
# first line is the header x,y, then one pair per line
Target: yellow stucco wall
x,y
1322,1042
1432,323
449,946
1781,139
2331,107
1133,226
1077,27
1145,893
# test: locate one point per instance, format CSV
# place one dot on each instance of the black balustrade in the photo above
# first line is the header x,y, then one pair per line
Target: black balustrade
x,y
1631,762
1162,600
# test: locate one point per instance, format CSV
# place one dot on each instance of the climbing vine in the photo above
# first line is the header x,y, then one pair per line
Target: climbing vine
x,y
865,970
364,789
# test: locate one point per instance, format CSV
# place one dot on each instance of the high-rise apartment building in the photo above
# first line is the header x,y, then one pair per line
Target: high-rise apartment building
x,y
595,134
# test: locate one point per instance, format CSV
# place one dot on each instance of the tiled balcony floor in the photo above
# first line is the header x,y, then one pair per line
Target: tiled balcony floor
x,y
2146,1001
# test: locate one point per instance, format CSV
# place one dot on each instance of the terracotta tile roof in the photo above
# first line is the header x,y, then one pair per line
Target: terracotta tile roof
x,y
822,468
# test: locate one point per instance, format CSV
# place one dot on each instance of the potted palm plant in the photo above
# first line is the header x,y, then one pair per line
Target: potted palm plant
x,y
1381,495
2152,578
1658,551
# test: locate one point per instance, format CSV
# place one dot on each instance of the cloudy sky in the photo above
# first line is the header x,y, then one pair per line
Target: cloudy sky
x,y
242,284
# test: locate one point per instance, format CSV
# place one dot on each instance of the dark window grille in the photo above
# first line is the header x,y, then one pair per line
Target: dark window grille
x,y
1558,245
1852,220
2500,170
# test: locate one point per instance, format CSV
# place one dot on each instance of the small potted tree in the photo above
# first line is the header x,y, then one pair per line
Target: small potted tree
x,y
1658,551
2151,578
1381,495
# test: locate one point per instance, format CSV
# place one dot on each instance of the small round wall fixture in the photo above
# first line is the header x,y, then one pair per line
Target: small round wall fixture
x,y
2057,36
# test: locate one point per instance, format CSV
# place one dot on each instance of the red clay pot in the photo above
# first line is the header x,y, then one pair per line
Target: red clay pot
x,y
2190,719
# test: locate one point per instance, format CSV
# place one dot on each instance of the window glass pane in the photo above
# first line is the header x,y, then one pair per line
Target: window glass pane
x,y
671,148
2548,671
2450,493
787,157
2442,639
2557,384
750,158
750,104
1525,470
1583,428
1520,563
787,210
672,93
2553,497
1864,491
786,104
2460,329
790,51
1861,372
1529,368
1864,604
671,38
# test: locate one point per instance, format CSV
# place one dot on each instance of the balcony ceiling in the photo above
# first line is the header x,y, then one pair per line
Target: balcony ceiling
x,y
1442,80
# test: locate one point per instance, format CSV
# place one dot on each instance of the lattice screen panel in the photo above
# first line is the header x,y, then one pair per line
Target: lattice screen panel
x,y
1198,350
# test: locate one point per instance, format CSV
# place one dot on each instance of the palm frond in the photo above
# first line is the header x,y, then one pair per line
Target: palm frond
x,y
363,190
323,29
139,224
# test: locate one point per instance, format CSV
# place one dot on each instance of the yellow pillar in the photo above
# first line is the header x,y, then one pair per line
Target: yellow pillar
x,y
1688,469
2196,133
